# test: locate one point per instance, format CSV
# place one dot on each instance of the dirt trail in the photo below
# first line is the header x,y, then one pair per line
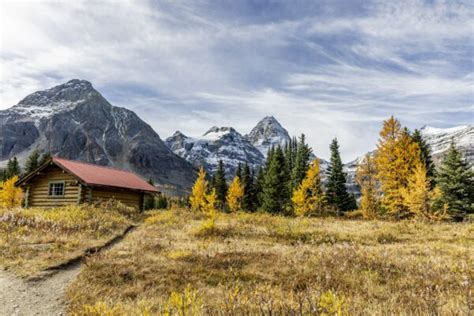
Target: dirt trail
x,y
44,295
37,297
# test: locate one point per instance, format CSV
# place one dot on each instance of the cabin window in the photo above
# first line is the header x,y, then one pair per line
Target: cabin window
x,y
56,189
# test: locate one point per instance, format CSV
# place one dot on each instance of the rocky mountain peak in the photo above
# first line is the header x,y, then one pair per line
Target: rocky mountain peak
x,y
76,122
267,133
71,91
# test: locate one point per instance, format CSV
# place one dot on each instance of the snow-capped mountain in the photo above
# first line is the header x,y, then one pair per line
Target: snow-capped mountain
x,y
267,133
75,121
218,143
440,139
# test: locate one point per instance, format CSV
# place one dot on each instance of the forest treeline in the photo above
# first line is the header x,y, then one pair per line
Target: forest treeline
x,y
398,180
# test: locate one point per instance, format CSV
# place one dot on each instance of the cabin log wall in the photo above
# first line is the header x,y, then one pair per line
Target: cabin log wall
x,y
38,195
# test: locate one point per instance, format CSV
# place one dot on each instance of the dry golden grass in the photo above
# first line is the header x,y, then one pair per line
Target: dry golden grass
x,y
34,239
263,264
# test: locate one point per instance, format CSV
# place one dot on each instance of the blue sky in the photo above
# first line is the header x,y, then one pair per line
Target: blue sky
x,y
324,68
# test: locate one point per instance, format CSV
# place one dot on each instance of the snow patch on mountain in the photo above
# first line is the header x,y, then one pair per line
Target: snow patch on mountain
x,y
218,143
440,138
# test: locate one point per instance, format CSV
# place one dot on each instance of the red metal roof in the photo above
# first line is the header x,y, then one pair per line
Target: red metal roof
x,y
106,176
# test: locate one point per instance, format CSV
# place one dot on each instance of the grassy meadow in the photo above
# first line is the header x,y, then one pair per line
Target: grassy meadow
x,y
34,239
180,263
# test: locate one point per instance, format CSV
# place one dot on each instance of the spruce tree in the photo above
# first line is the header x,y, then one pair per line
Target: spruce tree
x,y
455,179
258,187
425,156
238,172
275,193
32,163
247,181
301,162
13,168
46,157
220,184
336,191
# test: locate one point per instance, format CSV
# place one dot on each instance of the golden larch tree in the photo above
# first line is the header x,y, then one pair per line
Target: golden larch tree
x,y
395,160
370,195
198,194
209,205
10,195
419,197
308,196
235,194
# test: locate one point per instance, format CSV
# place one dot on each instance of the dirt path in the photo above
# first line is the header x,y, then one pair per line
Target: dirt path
x,y
45,295
39,297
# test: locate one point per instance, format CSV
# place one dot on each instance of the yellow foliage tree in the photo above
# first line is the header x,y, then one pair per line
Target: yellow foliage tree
x,y
209,204
198,194
308,196
10,195
365,177
395,160
419,197
235,194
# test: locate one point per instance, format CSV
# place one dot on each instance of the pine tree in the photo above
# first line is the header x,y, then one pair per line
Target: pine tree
x,y
301,162
397,155
455,178
32,163
308,197
248,200
220,184
13,168
198,194
370,196
235,195
419,197
275,194
336,191
425,156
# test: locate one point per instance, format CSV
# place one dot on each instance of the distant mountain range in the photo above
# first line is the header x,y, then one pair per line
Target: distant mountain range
x,y
75,121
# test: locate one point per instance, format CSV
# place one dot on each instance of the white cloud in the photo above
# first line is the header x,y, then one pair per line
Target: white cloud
x,y
183,65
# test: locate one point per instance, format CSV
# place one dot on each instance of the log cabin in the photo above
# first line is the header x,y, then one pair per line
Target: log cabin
x,y
60,182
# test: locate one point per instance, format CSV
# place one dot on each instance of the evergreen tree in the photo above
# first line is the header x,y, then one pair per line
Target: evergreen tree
x,y
301,162
455,178
275,194
46,157
308,197
248,200
336,191
220,184
397,155
425,156
13,168
257,188
32,163
238,172
366,178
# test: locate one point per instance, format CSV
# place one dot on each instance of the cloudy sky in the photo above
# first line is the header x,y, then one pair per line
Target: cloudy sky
x,y
324,68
